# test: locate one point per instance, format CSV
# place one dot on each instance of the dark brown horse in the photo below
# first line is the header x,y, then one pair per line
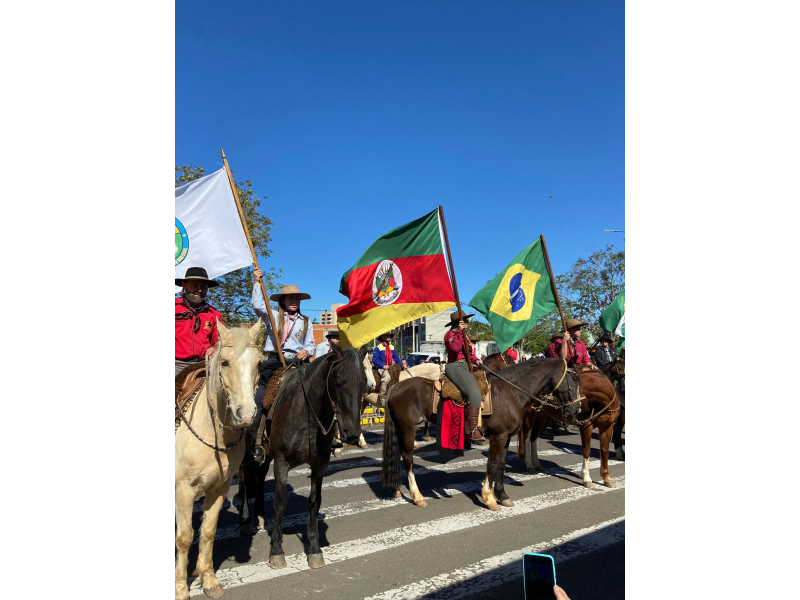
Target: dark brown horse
x,y
616,373
409,403
599,408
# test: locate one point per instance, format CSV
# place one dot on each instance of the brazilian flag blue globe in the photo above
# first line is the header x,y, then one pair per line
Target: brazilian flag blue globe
x,y
518,297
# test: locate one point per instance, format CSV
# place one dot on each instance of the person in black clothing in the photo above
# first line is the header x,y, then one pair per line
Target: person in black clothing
x,y
605,354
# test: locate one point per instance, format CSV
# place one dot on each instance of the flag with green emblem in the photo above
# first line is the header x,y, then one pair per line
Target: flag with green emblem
x,y
518,297
613,317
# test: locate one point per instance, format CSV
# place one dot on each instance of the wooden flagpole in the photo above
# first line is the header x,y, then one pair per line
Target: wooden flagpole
x,y
553,283
467,353
255,260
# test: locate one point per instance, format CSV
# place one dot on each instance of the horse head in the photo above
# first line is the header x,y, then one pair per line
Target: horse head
x,y
347,380
233,373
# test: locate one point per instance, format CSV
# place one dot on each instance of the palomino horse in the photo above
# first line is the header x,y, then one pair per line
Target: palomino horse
x,y
315,396
599,408
209,448
410,402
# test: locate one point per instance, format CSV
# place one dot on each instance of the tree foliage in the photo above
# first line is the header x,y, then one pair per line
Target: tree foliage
x,y
232,297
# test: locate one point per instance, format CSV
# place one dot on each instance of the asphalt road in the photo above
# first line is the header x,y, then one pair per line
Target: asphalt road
x,y
379,548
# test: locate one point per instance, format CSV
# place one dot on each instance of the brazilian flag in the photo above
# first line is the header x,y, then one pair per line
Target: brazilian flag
x,y
518,297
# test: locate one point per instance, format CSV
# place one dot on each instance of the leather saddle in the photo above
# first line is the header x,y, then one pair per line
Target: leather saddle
x,y
187,383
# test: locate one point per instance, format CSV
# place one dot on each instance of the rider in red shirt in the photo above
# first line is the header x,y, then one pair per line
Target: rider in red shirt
x,y
574,345
196,333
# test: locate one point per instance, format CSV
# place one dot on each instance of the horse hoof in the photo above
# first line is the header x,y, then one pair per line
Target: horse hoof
x,y
494,506
214,592
428,439
397,494
421,502
588,484
337,453
535,469
246,530
609,484
182,594
507,503
315,561
261,522
277,561
364,446
620,454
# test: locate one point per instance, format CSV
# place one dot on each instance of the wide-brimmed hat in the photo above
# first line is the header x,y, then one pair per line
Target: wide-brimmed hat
x,y
383,335
574,323
197,274
555,336
473,338
288,290
332,333
606,337
457,315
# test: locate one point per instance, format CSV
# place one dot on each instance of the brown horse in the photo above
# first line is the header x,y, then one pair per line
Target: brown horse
x,y
600,407
409,403
616,373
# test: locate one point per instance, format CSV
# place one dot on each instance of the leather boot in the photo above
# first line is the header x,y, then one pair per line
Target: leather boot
x,y
472,419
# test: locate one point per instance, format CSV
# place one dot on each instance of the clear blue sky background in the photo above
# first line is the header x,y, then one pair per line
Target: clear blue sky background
x,y
353,117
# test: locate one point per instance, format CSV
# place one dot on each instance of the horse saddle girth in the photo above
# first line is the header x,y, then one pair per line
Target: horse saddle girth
x,y
449,390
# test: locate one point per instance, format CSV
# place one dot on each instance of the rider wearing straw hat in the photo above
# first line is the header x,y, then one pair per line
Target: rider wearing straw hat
x,y
295,341
572,344
195,321
457,370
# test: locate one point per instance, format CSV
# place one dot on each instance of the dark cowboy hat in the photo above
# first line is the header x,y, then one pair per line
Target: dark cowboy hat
x,y
574,323
457,315
288,290
197,274
383,335
332,333
606,337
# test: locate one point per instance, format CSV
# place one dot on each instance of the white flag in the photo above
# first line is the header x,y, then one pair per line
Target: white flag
x,y
208,231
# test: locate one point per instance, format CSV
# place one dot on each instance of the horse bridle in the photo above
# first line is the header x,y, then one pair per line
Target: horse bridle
x,y
330,398
219,424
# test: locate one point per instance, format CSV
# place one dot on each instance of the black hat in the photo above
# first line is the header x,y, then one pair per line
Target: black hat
x,y
197,274
606,337
332,333
383,335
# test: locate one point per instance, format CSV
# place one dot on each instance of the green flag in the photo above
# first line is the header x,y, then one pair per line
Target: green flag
x,y
519,296
613,317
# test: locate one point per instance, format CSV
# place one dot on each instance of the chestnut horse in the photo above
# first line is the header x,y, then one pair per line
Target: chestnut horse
x,y
409,403
600,407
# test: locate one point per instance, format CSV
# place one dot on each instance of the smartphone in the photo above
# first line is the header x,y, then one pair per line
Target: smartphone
x,y
539,573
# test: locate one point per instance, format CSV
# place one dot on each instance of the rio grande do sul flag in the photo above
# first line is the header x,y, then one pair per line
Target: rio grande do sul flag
x,y
208,231
519,296
613,317
401,277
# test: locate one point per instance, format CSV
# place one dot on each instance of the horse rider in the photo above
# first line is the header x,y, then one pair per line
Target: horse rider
x,y
605,354
550,351
196,335
457,371
511,356
383,356
296,342
324,347
572,345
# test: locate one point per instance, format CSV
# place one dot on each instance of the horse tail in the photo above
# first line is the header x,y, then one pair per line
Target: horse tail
x,y
391,474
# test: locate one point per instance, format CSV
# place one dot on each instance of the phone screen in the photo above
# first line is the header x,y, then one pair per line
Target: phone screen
x,y
540,576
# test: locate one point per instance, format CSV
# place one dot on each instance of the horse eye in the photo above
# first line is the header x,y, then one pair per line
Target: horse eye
x,y
225,363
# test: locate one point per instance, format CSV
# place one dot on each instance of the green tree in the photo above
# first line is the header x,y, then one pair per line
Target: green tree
x,y
232,297
483,331
590,285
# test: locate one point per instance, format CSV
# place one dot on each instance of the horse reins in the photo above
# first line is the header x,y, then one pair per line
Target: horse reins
x,y
328,392
544,401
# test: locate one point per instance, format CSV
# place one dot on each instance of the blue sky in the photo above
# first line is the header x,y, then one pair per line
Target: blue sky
x,y
351,118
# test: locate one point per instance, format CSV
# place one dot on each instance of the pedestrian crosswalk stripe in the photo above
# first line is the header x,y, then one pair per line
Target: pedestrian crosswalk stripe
x,y
498,570
260,571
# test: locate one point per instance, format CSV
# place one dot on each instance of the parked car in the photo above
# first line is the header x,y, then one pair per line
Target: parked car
x,y
415,358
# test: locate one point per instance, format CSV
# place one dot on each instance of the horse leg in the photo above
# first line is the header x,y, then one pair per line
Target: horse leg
x,y
212,503
259,483
499,485
532,462
184,499
408,461
362,443
495,448
277,560
617,437
586,448
426,436
605,440
315,560
245,514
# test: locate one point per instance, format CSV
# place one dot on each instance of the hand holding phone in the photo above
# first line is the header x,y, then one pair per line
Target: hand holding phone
x,y
539,572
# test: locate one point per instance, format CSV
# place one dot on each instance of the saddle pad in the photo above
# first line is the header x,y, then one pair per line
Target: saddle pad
x,y
394,376
273,387
449,390
185,402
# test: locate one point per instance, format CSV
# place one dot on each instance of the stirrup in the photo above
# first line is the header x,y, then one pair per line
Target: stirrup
x,y
257,457
480,440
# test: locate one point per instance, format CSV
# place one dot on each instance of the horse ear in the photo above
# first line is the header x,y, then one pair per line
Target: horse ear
x,y
223,331
573,361
337,350
254,330
362,352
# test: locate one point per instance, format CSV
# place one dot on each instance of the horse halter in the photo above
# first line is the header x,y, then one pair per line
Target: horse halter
x,y
220,424
324,430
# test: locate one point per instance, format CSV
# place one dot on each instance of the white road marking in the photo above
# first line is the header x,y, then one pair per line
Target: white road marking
x,y
351,508
260,571
500,569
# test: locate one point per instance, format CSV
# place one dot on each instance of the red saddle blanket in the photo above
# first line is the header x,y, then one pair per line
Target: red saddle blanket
x,y
451,428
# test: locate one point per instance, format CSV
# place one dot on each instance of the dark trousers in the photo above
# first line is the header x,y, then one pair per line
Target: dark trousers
x,y
265,371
